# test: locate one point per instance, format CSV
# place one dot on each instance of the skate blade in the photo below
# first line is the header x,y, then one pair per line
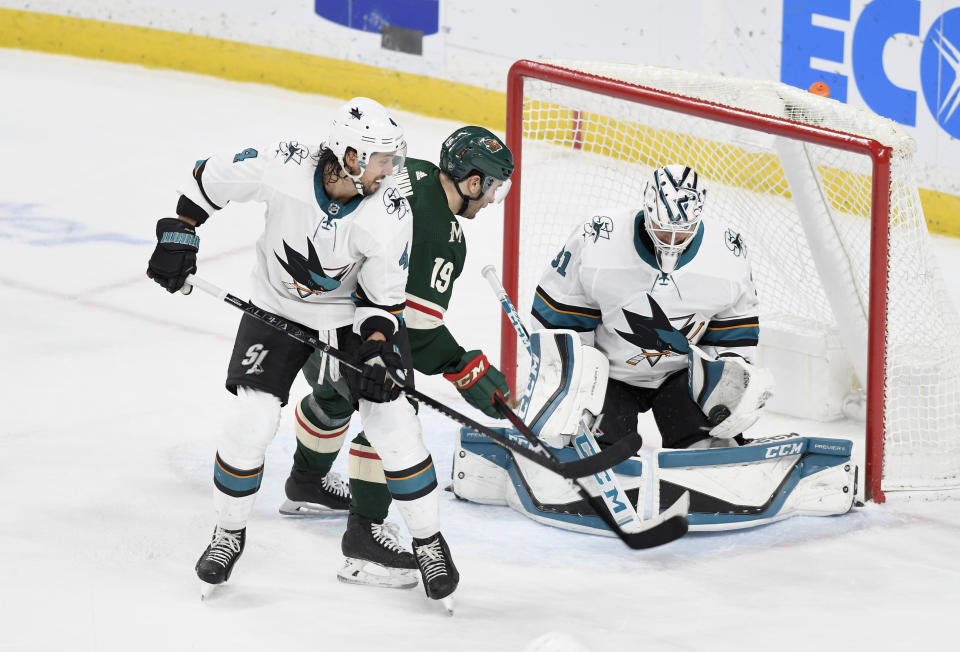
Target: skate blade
x,y
206,589
447,603
300,508
366,573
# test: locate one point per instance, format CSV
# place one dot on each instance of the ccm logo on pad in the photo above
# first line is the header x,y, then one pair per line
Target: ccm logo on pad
x,y
783,450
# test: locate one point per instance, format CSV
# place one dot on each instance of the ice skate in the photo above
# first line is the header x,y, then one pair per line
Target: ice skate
x,y
216,562
440,576
374,557
310,494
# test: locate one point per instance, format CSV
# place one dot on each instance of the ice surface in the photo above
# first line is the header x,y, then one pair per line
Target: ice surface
x,y
112,395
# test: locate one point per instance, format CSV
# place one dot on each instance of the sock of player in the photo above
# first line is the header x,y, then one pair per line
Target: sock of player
x,y
369,496
238,469
319,436
394,431
234,492
418,500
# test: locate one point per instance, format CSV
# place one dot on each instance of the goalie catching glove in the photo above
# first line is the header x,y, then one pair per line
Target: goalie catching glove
x,y
730,391
478,382
175,255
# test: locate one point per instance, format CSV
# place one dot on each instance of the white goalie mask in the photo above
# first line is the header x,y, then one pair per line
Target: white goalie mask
x,y
365,126
672,206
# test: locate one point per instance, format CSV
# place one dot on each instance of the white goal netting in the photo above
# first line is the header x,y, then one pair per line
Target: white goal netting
x,y
804,211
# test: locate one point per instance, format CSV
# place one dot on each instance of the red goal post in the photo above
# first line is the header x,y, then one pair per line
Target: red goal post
x,y
522,72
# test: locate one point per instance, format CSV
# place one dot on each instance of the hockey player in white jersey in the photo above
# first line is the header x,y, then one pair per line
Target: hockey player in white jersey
x,y
333,256
641,286
654,309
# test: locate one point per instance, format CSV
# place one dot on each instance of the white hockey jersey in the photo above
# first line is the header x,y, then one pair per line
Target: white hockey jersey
x,y
605,284
319,262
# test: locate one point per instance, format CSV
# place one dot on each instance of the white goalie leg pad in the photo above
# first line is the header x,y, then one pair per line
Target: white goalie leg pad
x,y
566,378
731,488
547,498
480,469
827,492
766,481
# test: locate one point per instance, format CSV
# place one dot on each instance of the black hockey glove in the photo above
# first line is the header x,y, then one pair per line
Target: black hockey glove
x,y
175,255
384,371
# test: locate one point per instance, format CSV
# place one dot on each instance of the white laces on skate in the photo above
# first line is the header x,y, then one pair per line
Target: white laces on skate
x,y
430,558
387,535
333,483
224,547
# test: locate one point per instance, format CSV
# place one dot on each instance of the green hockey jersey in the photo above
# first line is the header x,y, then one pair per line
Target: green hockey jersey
x,y
436,261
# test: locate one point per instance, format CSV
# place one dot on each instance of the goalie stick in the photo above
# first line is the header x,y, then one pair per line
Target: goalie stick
x,y
667,526
634,531
532,449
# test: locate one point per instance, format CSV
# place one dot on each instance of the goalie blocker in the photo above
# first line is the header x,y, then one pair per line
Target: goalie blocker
x,y
730,488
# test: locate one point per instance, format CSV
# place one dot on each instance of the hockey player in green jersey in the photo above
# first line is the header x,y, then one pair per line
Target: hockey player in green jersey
x,y
475,168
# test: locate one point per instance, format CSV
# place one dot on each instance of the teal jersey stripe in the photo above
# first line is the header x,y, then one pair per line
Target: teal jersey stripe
x,y
735,336
554,318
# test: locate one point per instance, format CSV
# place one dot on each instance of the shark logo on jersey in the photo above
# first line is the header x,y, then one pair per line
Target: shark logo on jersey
x,y
735,243
309,275
599,226
395,203
356,113
292,151
657,335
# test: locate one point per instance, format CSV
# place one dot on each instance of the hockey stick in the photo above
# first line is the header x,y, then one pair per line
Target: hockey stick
x,y
608,486
663,528
660,528
532,449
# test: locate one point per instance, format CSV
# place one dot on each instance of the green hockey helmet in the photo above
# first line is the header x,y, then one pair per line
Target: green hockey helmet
x,y
475,150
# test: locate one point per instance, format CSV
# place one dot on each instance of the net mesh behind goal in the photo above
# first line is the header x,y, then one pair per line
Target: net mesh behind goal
x,y
803,209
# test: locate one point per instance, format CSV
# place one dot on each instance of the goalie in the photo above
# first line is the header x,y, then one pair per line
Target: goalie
x,y
642,286
656,310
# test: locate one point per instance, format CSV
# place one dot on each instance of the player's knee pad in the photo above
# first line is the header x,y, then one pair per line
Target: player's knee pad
x,y
316,430
250,427
394,431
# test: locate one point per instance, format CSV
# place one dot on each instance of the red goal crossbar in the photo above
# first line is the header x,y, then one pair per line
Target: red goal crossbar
x,y
879,154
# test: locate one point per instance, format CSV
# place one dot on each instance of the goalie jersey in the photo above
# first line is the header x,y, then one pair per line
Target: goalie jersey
x,y
319,262
605,283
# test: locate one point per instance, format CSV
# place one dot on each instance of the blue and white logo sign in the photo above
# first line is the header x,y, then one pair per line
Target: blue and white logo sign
x,y
807,45
940,71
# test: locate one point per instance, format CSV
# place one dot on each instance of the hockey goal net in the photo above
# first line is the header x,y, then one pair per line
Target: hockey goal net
x,y
823,194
